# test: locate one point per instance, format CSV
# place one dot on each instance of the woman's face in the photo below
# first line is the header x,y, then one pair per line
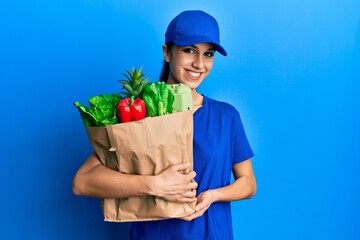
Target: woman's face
x,y
189,65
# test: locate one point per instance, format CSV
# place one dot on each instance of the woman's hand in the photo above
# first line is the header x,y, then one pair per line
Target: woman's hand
x,y
205,199
175,186
185,197
243,187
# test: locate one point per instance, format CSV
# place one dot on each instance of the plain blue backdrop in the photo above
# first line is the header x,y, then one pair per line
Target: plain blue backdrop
x,y
292,72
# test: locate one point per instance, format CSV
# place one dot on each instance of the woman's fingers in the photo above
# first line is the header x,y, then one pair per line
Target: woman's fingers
x,y
181,166
173,181
191,175
189,196
192,185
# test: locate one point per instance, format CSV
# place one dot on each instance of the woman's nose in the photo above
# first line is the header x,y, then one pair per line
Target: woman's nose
x,y
198,62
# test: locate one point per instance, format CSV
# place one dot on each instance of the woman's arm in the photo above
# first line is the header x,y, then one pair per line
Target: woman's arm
x,y
243,187
96,180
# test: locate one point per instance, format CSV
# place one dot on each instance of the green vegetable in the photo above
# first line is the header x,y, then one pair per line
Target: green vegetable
x,y
158,99
102,110
183,97
132,108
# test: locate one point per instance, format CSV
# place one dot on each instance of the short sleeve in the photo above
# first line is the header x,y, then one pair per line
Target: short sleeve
x,y
241,148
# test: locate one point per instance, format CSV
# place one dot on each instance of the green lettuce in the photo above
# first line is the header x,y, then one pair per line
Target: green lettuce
x,y
102,110
158,99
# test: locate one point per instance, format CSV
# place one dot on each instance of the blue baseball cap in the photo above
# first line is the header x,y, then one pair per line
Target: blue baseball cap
x,y
193,27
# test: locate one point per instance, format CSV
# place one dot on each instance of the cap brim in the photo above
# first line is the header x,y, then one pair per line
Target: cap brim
x,y
221,50
192,41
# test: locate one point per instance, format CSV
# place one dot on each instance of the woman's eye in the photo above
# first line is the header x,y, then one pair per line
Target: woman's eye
x,y
189,50
209,54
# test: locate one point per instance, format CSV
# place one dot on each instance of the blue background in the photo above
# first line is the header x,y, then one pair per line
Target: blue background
x,y
292,72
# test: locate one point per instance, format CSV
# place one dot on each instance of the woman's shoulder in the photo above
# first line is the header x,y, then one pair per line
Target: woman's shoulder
x,y
217,103
221,106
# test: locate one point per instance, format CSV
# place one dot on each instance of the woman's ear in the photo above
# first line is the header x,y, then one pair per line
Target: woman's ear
x,y
166,53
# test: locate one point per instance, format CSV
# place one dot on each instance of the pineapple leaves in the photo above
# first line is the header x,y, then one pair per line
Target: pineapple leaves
x,y
134,82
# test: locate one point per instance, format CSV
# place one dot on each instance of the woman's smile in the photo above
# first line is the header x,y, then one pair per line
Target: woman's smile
x,y
193,75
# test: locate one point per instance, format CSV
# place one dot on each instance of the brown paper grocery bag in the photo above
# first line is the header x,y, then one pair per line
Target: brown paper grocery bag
x,y
145,147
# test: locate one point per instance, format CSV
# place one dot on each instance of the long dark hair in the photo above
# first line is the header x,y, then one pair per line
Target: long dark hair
x,y
165,72
166,68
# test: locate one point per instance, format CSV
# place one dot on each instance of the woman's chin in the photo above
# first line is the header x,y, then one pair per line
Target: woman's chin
x,y
193,84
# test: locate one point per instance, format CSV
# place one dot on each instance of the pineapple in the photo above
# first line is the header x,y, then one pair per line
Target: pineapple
x,y
132,108
134,83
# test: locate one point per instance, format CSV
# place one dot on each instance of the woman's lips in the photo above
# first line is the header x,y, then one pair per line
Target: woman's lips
x,y
193,75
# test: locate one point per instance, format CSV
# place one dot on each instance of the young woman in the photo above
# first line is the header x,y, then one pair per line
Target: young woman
x,y
220,147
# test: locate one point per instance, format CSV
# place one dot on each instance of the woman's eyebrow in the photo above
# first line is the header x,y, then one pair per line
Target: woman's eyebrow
x,y
210,49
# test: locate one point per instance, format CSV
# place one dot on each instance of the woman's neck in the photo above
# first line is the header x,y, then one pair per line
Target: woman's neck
x,y
198,99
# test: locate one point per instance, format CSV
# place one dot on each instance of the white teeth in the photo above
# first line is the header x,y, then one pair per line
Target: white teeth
x,y
194,74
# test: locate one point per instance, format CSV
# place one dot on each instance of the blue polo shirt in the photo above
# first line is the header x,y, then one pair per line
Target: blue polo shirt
x,y
219,143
